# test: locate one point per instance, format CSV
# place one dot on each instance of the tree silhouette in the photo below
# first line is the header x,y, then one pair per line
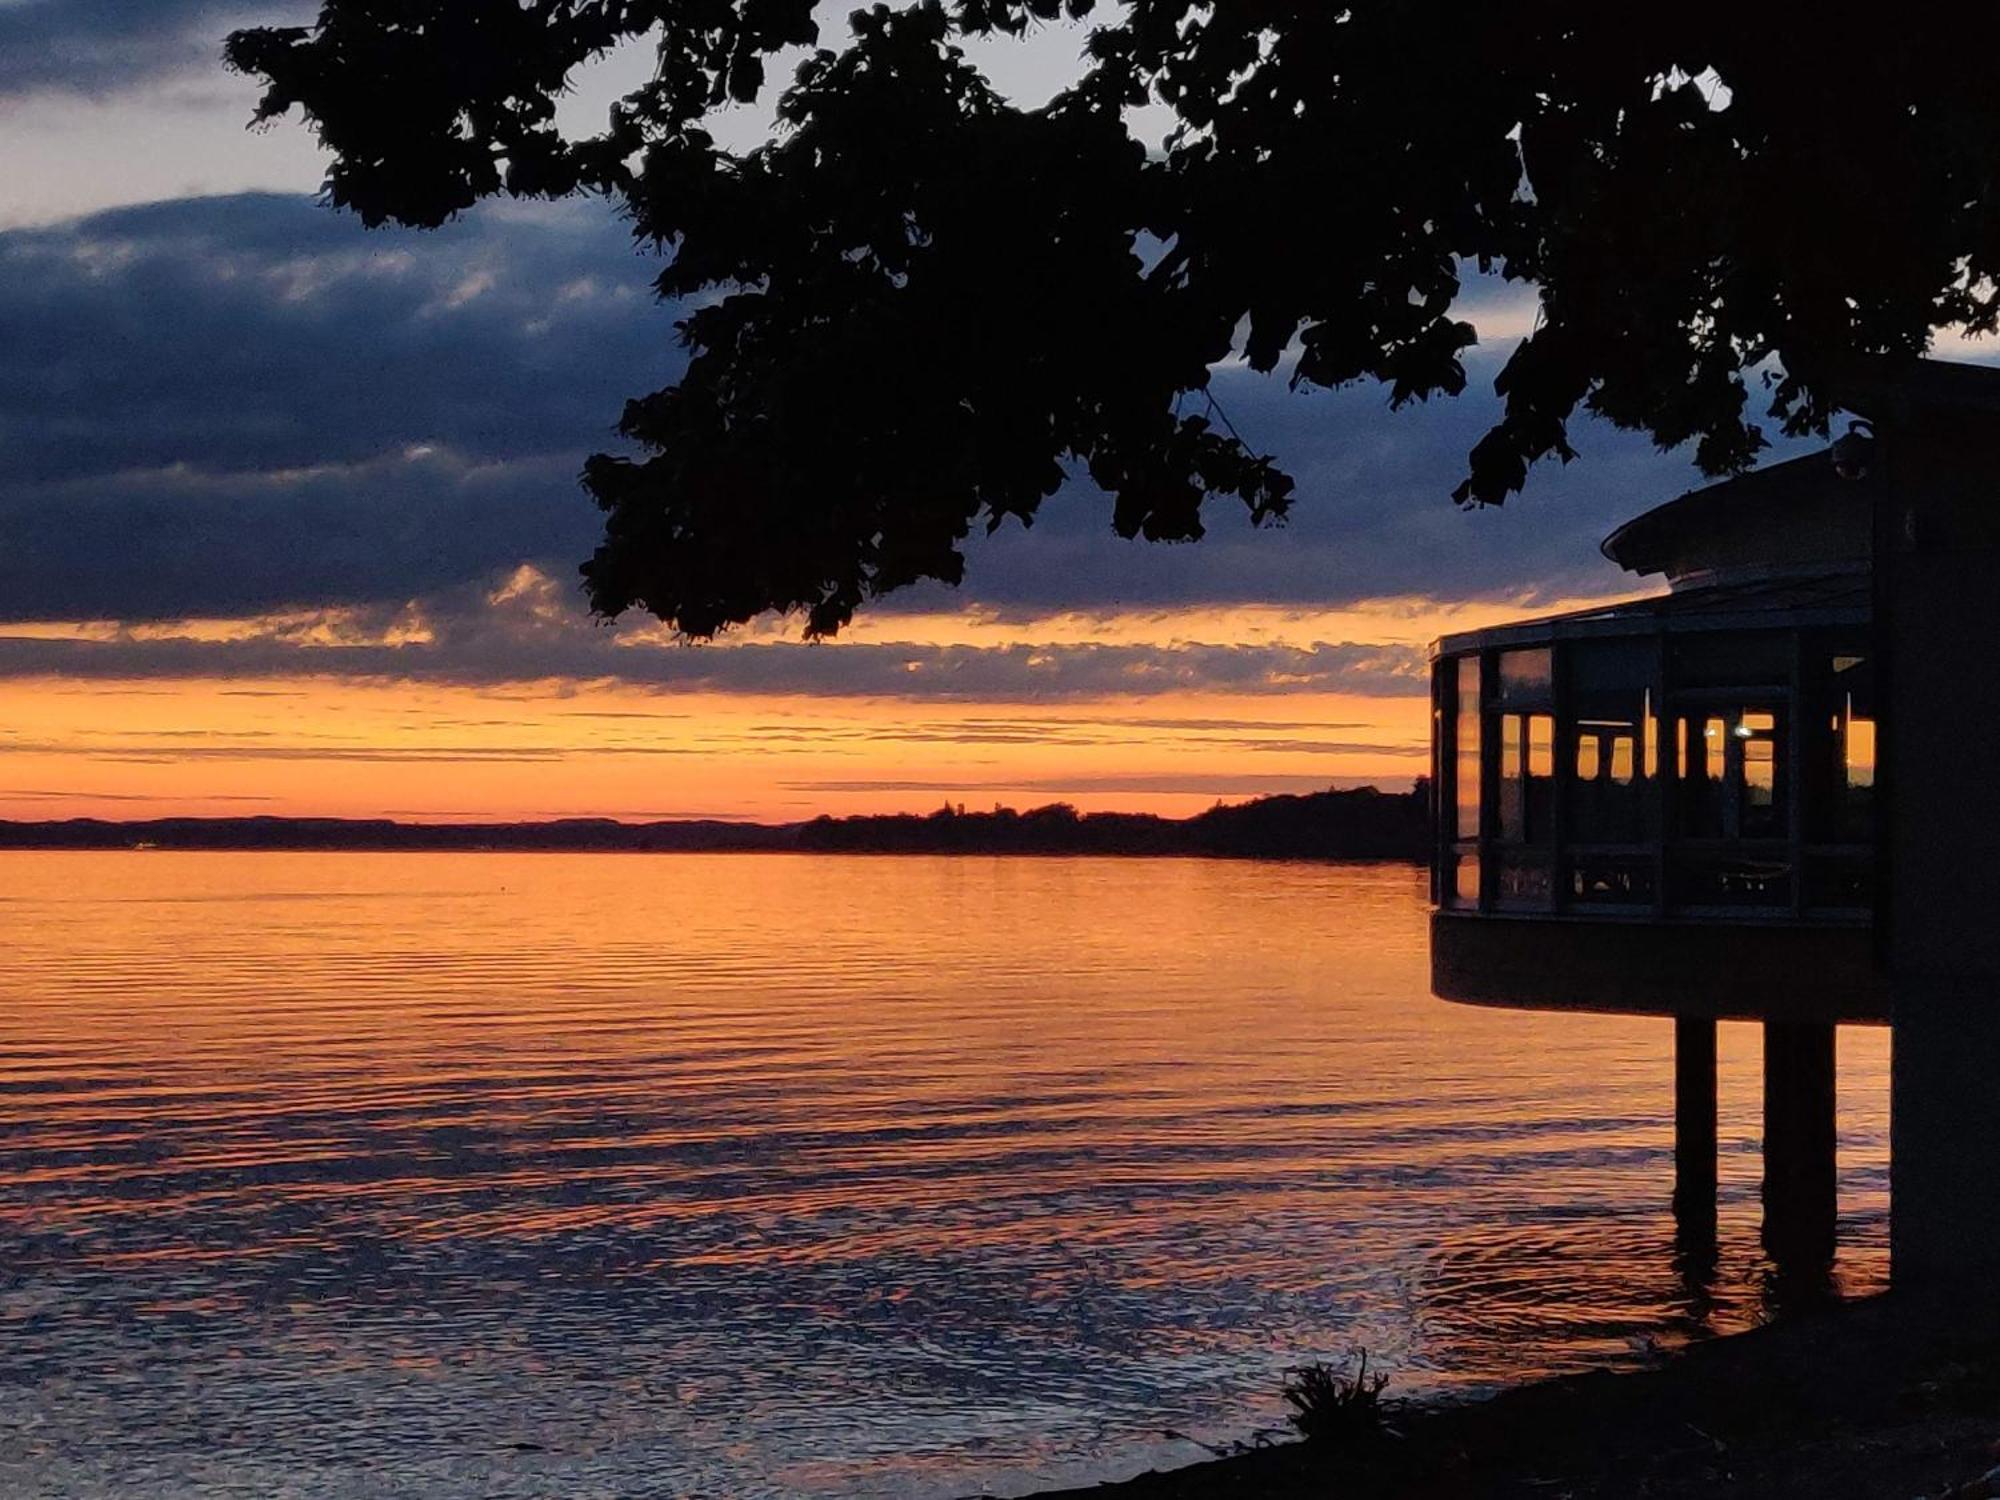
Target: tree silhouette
x,y
917,306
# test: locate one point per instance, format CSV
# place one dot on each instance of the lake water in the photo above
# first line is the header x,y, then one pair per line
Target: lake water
x,y
617,1175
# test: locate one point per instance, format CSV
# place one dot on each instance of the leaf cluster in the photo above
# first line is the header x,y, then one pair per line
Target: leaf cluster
x,y
918,308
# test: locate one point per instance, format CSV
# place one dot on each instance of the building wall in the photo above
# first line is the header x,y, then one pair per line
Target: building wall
x,y
1938,614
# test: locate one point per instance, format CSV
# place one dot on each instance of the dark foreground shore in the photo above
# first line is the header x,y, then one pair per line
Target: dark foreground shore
x,y
1889,1399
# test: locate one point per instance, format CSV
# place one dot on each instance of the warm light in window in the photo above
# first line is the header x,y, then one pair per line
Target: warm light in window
x,y
1621,760
1465,880
1712,761
1760,773
1541,745
1465,771
1859,749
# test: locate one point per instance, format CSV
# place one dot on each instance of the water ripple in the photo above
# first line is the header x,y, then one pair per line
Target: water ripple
x,y
365,1175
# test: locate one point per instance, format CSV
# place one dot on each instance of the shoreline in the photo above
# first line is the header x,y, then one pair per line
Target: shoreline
x,y
1891,1397
1361,824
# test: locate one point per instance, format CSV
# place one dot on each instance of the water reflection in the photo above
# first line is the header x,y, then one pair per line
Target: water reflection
x,y
548,1175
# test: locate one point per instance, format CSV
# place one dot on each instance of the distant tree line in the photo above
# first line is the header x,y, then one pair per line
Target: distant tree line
x,y
1360,824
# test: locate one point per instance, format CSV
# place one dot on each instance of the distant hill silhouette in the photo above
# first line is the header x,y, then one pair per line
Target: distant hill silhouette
x,y
1361,824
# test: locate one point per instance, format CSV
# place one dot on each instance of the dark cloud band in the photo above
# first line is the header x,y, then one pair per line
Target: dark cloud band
x,y
104,46
224,407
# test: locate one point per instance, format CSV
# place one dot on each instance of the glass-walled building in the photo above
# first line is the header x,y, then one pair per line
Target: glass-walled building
x,y
1700,760
1707,754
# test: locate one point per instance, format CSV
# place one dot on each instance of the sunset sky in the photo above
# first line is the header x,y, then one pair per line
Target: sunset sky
x,y
289,520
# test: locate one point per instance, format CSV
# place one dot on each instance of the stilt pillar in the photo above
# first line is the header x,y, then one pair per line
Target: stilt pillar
x,y
1800,1196
1694,1128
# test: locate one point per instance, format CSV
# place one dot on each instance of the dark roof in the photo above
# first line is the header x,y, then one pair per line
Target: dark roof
x,y
1643,543
1798,512
1872,387
1779,601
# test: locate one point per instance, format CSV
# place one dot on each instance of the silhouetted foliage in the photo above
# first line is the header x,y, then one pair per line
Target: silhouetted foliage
x,y
1331,1406
916,306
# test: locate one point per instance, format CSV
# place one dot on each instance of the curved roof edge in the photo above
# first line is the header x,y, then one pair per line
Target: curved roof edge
x,y
1781,601
1660,539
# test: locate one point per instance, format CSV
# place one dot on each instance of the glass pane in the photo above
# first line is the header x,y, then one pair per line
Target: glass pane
x,y
1541,745
1837,757
1513,808
1703,754
1714,659
1757,774
1745,878
1840,881
1760,772
1612,879
1608,802
1857,766
1621,760
1521,880
1526,677
1733,774
1527,772
1465,880
1467,765
1858,747
1617,745
1620,669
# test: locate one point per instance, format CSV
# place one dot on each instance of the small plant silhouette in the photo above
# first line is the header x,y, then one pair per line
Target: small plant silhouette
x,y
1329,1405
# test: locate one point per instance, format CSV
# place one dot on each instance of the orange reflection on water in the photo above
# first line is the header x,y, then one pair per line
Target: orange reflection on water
x,y
752,1172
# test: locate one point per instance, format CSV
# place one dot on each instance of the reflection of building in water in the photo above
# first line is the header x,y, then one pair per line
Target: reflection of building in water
x,y
1671,806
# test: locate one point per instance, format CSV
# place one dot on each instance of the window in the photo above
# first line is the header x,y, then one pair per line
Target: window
x,y
1614,733
1726,877
1465,880
1685,770
1839,747
1732,773
1466,770
1527,768
1733,807
1758,775
1460,690
1611,879
1522,879
1526,677
1722,659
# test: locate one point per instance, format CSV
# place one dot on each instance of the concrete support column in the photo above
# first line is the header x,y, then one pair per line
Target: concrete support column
x,y
1694,1128
1944,1223
1800,1194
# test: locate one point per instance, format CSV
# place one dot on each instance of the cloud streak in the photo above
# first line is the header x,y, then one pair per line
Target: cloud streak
x,y
1173,783
998,674
98,47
